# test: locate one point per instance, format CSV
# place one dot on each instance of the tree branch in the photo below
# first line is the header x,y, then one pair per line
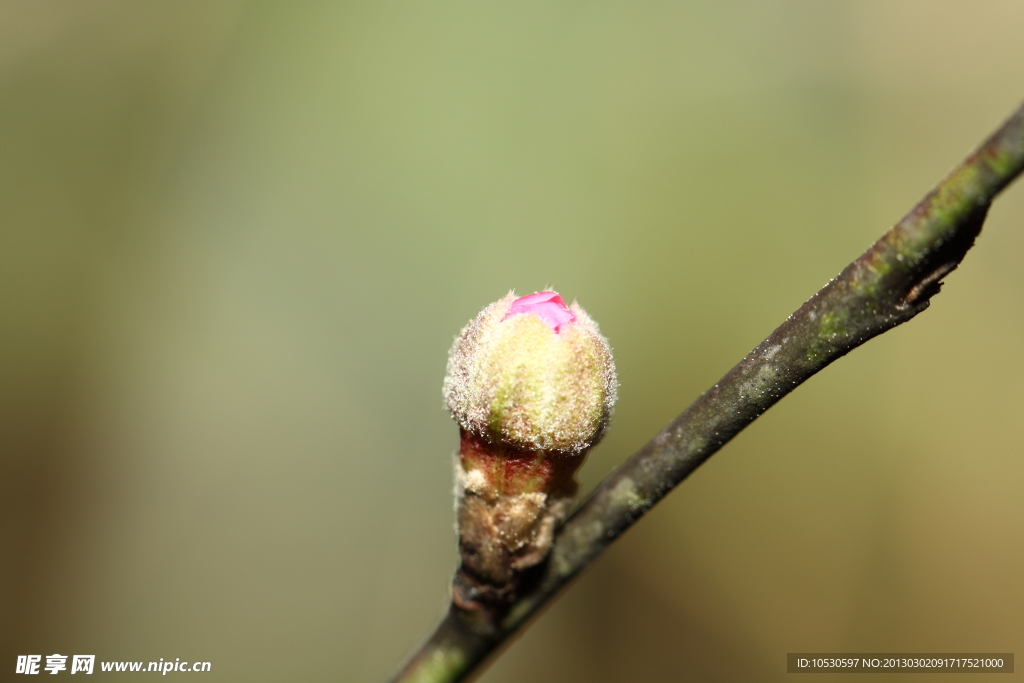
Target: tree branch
x,y
888,285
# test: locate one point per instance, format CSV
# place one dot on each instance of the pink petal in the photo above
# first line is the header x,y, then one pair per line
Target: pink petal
x,y
549,306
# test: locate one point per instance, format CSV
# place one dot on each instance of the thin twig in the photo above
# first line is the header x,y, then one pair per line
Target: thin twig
x,y
888,285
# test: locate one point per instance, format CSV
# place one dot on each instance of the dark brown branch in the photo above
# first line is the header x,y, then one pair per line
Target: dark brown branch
x,y
888,285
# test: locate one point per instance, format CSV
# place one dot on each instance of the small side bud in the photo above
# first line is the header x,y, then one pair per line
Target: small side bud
x,y
532,384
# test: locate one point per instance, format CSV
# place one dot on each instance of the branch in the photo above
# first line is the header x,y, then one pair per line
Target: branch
x,y
888,285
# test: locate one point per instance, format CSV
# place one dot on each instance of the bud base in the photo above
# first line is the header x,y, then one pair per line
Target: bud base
x,y
509,505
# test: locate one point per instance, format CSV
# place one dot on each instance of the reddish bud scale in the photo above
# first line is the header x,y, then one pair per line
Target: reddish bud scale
x,y
511,471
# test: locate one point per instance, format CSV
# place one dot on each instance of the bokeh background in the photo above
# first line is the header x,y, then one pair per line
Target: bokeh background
x,y
238,239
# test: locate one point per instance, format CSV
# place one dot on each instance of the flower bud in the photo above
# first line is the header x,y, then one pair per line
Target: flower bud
x,y
534,374
531,383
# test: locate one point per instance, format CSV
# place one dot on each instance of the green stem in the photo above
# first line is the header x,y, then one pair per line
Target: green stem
x,y
888,285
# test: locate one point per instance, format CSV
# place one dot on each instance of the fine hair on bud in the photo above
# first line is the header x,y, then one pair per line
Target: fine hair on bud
x,y
532,374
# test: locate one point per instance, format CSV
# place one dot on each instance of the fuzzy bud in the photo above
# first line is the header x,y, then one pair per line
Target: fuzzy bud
x,y
532,384
532,373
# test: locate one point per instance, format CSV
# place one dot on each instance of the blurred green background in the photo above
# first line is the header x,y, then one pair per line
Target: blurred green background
x,y
238,239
